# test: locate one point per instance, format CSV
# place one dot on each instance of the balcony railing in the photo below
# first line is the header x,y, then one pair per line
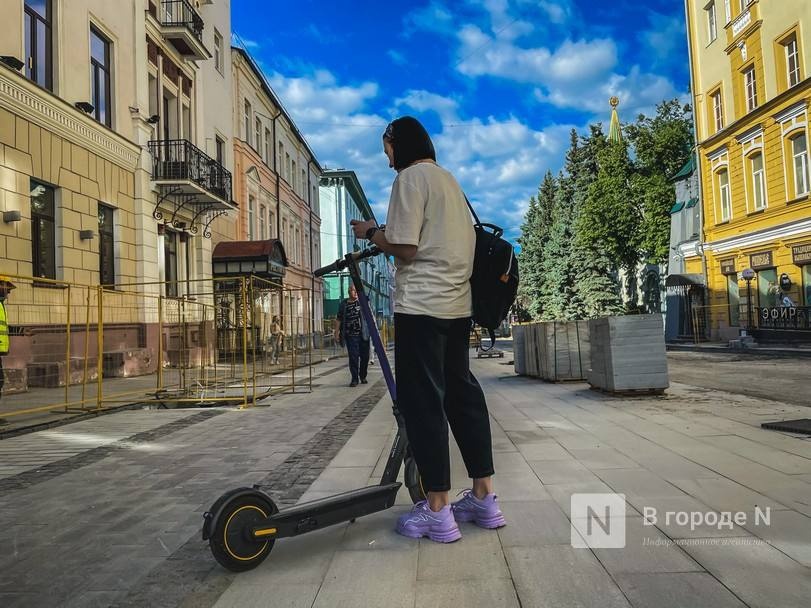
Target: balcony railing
x,y
178,160
797,318
180,13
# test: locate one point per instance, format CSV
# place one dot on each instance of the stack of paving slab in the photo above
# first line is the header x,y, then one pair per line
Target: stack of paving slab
x,y
555,351
519,349
628,354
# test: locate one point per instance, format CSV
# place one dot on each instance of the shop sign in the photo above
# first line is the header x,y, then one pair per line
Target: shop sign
x,y
801,254
728,266
761,260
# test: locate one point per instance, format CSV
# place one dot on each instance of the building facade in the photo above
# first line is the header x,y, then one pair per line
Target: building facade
x,y
115,128
276,190
751,88
342,200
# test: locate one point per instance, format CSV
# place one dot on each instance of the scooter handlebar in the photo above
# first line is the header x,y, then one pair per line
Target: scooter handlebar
x,y
342,263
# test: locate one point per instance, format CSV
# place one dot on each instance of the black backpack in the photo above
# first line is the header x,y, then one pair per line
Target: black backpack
x,y
494,281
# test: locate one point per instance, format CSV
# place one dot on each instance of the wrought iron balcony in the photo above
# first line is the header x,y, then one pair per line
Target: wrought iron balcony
x,y
183,27
185,168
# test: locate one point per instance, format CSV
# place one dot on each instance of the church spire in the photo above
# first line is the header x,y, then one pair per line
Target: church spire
x,y
614,131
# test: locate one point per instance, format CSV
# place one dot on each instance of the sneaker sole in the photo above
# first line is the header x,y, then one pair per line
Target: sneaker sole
x,y
448,536
489,523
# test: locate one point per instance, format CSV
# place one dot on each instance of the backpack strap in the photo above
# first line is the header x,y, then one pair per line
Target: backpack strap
x,y
472,210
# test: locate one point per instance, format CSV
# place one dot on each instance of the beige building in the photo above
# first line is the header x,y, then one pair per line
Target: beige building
x,y
115,149
276,178
751,87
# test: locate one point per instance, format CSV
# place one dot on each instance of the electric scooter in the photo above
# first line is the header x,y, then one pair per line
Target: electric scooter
x,y
243,524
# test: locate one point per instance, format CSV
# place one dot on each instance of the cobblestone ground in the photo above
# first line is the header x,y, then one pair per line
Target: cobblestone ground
x,y
108,512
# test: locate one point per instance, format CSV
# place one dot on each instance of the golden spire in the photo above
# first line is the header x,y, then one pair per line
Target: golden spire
x,y
614,131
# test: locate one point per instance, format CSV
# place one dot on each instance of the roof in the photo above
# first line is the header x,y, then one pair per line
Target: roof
x,y
684,280
687,170
352,183
275,99
230,250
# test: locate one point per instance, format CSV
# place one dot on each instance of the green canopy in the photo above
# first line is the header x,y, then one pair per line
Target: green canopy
x,y
677,207
692,203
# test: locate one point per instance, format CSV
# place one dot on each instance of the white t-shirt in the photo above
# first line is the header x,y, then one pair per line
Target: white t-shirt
x,y
427,209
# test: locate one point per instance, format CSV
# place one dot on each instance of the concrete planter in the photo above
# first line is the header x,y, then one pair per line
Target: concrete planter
x,y
553,350
628,354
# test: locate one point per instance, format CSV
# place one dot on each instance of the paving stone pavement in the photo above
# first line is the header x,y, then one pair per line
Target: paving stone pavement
x,y
123,529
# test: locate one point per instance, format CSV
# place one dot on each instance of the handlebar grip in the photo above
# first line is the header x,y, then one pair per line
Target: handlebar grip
x,y
320,272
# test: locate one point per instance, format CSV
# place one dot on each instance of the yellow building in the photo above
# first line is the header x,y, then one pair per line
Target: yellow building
x,y
751,88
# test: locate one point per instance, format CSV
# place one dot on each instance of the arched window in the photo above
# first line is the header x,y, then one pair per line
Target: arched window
x,y
724,198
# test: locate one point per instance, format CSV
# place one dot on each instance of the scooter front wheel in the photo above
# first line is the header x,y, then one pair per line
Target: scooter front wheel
x,y
232,542
413,481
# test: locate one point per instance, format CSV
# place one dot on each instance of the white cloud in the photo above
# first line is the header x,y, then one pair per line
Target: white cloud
x,y
425,101
434,17
397,57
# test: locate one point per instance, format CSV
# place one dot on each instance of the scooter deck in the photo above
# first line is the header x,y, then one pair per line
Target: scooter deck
x,y
321,513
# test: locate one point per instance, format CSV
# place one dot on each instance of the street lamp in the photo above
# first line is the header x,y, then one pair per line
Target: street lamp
x,y
748,274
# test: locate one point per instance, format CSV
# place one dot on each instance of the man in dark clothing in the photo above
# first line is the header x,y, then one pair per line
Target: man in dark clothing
x,y
351,330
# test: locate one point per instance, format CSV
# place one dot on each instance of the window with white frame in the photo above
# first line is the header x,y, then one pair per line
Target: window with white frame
x,y
712,22
262,226
268,147
724,195
758,181
750,83
799,152
258,134
251,213
218,52
743,5
792,61
728,11
293,176
718,110
248,116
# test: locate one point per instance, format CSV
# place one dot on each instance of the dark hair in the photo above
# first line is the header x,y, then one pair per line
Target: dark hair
x,y
410,141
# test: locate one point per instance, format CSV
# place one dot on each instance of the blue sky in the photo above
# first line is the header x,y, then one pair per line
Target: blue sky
x,y
498,83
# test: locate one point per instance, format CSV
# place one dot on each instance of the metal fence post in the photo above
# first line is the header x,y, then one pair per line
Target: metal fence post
x,y
67,354
244,297
100,345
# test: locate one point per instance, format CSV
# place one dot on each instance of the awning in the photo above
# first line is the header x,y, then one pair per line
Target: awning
x,y
692,203
677,207
265,259
684,280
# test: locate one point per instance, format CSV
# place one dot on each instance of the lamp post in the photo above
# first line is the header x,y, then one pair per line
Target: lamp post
x,y
748,274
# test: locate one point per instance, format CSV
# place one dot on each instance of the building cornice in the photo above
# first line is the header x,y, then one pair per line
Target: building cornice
x,y
760,237
25,99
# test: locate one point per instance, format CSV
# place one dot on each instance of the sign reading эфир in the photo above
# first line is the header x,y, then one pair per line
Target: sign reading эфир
x,y
801,254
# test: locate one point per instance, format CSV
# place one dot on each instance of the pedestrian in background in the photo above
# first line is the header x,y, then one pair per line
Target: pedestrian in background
x,y
351,330
5,288
430,233
276,336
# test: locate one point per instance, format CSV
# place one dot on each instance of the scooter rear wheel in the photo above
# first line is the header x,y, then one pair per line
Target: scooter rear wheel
x,y
413,481
231,541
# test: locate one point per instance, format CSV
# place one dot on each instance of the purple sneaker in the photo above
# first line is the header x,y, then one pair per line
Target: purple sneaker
x,y
439,526
483,512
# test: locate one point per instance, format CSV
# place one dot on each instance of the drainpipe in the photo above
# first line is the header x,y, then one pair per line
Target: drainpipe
x,y
276,172
310,240
701,236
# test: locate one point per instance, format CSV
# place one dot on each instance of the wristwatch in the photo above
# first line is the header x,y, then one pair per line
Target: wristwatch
x,y
371,232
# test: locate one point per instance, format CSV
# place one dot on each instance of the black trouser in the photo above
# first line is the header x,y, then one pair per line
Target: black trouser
x,y
358,350
2,376
435,387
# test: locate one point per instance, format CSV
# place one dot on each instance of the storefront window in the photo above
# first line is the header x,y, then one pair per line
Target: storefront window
x,y
807,284
767,288
734,300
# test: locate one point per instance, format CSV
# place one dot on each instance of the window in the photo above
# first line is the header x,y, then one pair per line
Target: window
x,y
743,5
758,182
712,25
170,263
718,110
792,60
293,175
43,231
100,78
281,153
304,182
268,147
807,284
258,142
728,11
219,150
287,167
248,115
799,152
751,89
733,300
218,51
262,225
767,288
251,211
723,190
106,245
38,47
